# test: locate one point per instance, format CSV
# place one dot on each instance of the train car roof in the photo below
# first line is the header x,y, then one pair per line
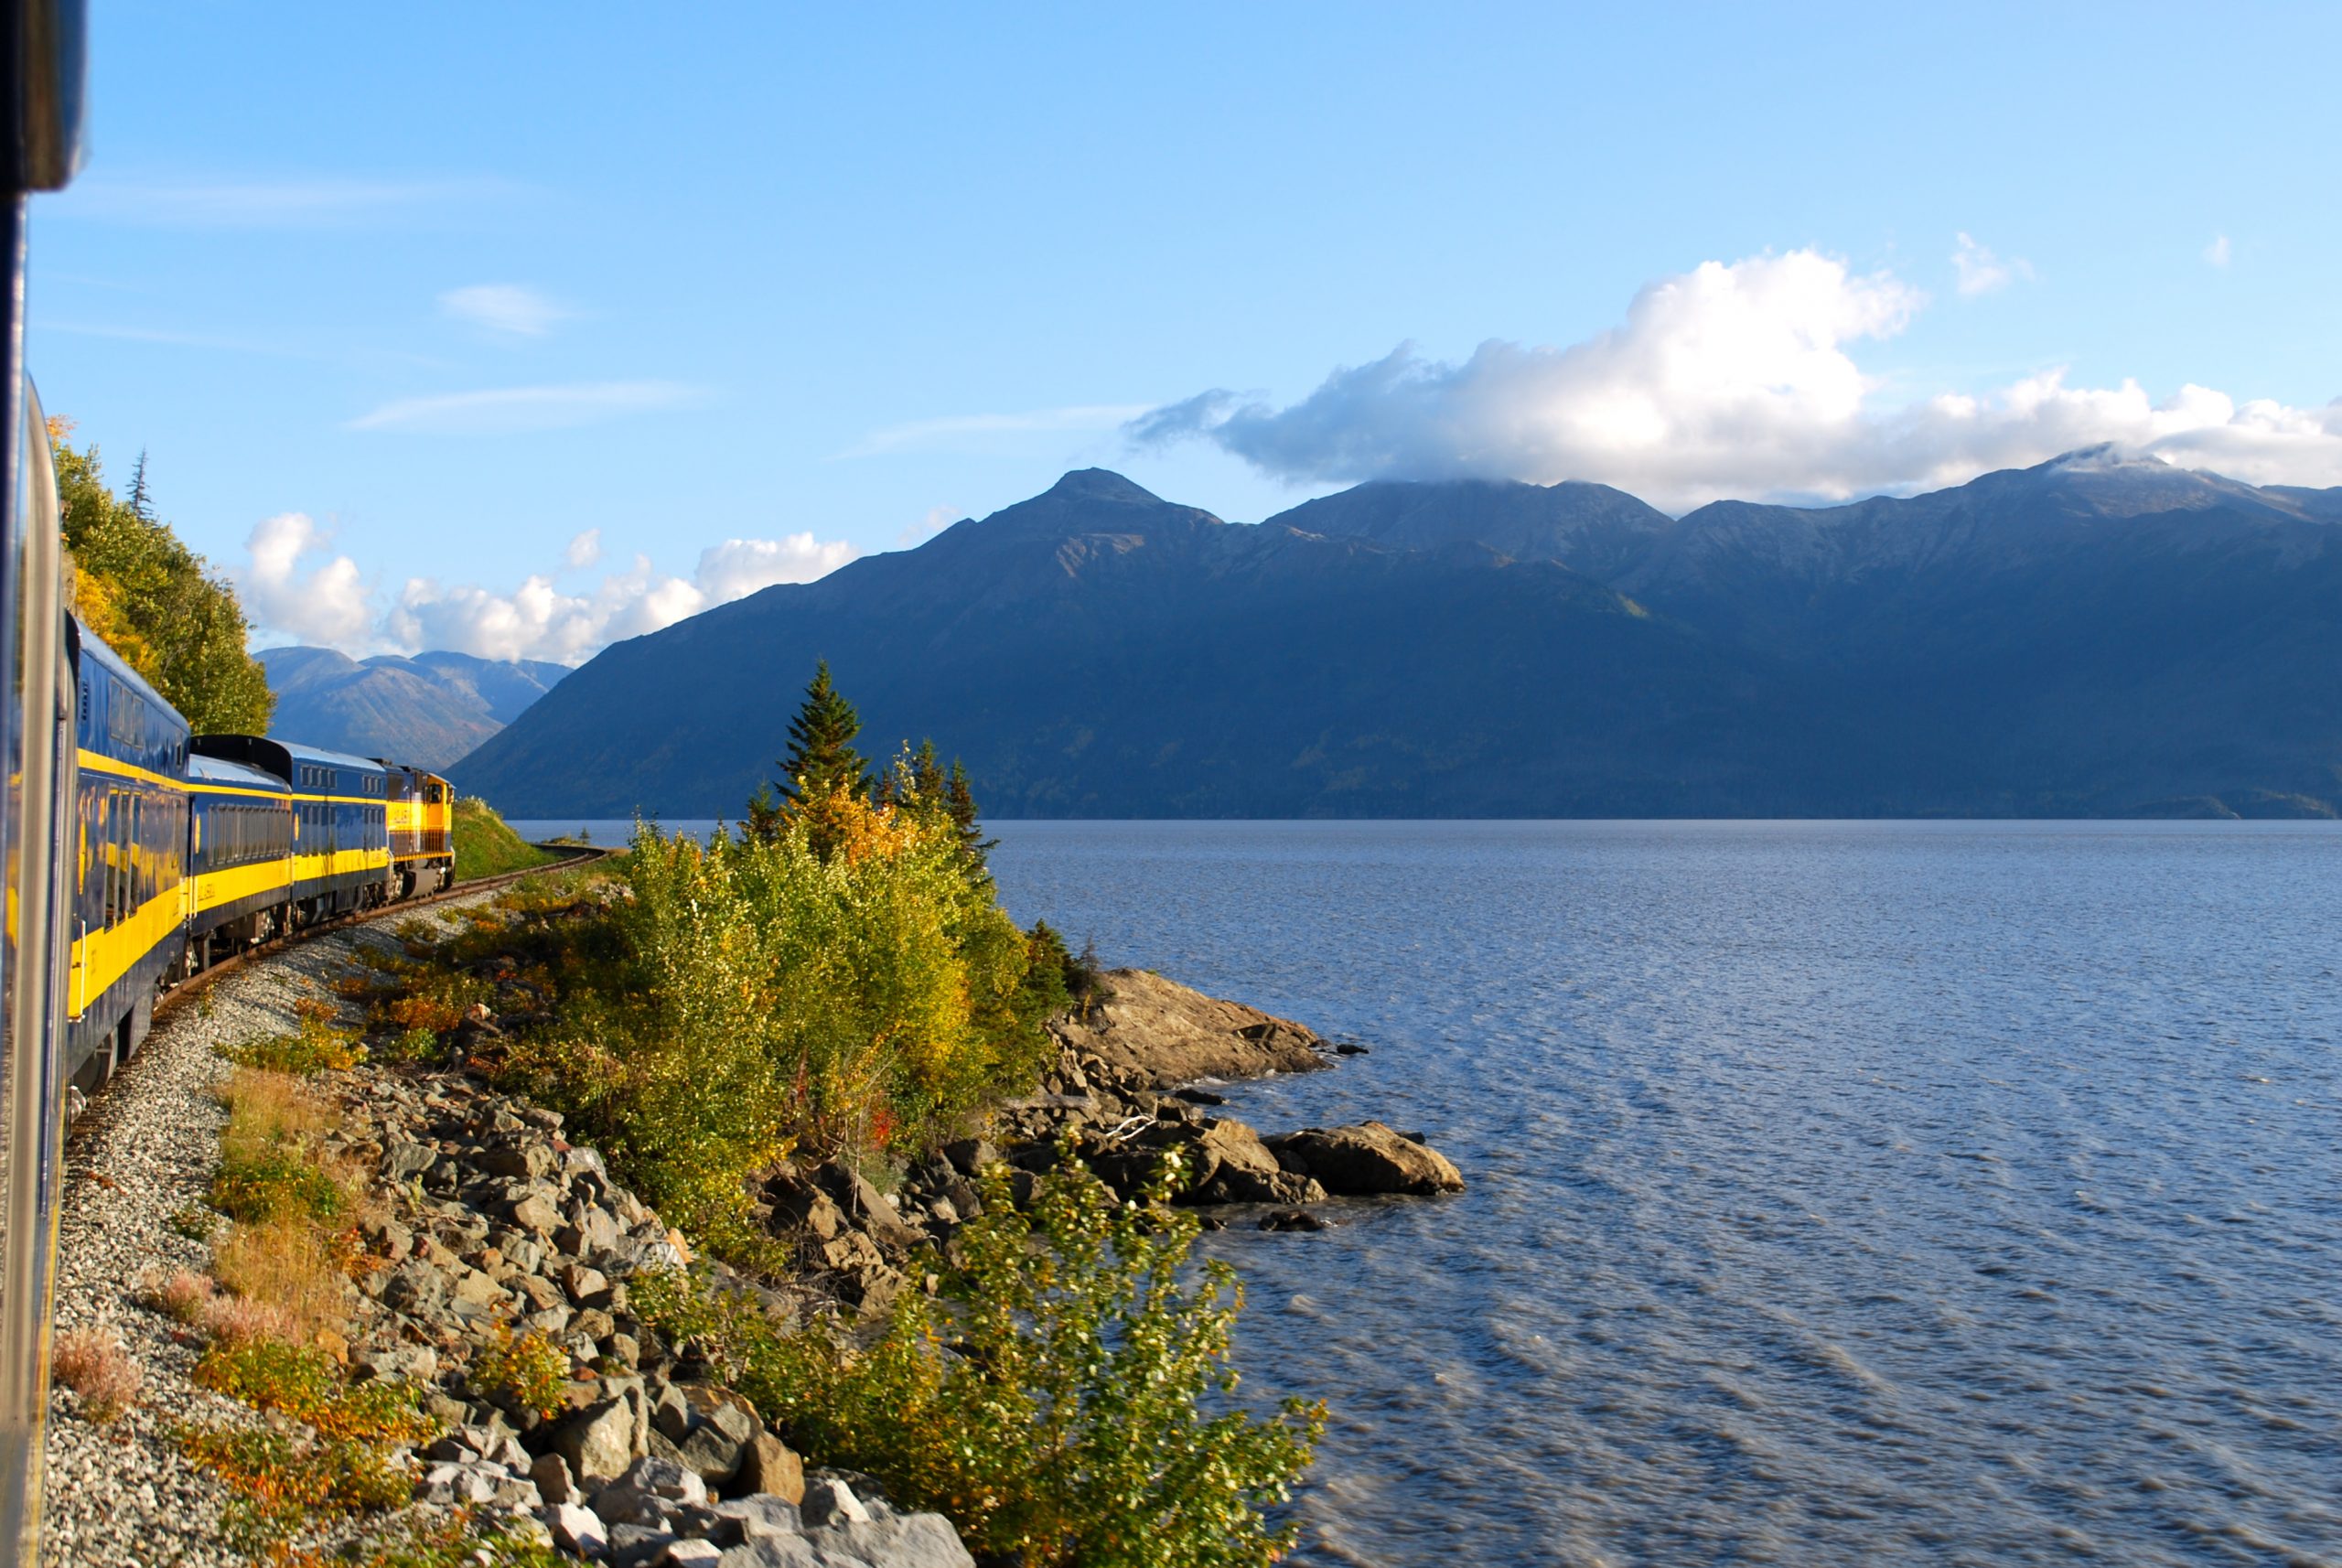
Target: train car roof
x,y
88,644
201,769
278,756
317,757
419,772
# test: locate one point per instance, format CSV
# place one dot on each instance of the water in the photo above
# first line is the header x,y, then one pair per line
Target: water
x,y
1839,1193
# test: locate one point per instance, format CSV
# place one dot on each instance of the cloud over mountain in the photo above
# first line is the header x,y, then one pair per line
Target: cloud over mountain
x,y
1735,379
293,587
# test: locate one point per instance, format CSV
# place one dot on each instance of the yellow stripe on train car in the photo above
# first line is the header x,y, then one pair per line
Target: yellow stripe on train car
x,y
103,956
213,888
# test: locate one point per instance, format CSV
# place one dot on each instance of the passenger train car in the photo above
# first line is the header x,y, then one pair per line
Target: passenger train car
x,y
192,846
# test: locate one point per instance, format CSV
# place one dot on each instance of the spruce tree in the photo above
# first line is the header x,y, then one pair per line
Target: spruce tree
x,y
959,800
141,504
822,760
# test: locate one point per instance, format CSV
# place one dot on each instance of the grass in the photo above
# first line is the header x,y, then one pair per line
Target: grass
x,y
487,846
93,1363
269,1164
276,1295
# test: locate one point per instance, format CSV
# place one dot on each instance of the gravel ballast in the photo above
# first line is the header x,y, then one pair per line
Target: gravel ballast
x,y
142,1151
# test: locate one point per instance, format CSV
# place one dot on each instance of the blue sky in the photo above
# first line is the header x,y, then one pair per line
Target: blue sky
x,y
432,332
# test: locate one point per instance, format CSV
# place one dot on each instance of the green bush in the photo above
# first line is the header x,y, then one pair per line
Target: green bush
x,y
274,1184
316,1046
1080,1416
755,996
530,1371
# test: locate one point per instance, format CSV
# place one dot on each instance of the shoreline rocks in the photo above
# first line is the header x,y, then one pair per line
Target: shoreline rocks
x,y
1172,1035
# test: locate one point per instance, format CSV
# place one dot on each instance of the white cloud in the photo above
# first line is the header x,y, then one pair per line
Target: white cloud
x,y
504,309
2216,253
330,603
1979,271
324,602
981,432
738,567
506,411
1731,381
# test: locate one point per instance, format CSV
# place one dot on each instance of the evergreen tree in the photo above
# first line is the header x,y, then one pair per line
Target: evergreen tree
x,y
767,816
959,800
141,504
821,759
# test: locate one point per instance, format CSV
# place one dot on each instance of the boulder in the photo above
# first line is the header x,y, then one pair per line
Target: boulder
x,y
756,1517
551,1473
771,1468
1366,1159
1166,1033
576,1530
1293,1219
598,1442
865,1207
969,1156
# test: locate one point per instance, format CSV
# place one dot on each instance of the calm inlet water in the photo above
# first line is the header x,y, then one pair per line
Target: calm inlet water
x,y
1839,1193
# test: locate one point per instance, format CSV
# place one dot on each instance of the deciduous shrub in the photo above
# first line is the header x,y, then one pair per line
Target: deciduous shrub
x,y
529,1370
1071,1406
317,1045
756,995
285,1481
306,1385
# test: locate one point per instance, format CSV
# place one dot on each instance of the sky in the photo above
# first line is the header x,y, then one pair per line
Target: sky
x,y
518,329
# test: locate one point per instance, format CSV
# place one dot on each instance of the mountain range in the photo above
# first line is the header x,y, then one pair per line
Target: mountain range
x,y
2094,636
429,710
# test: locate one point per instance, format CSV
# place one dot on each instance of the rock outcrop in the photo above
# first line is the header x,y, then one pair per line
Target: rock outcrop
x,y
1173,1035
1367,1159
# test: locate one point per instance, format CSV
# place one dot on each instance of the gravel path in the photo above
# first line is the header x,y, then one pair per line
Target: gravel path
x,y
143,1151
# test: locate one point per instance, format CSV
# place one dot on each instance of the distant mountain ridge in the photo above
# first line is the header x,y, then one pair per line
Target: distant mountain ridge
x,y
430,709
2091,636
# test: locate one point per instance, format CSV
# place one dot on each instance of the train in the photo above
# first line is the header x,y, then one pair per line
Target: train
x,y
185,849
133,853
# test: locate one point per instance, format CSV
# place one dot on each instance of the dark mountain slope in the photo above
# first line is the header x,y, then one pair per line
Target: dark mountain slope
x,y
1593,529
1098,652
2087,636
428,710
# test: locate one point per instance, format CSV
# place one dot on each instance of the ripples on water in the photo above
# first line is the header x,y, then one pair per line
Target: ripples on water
x,y
1841,1193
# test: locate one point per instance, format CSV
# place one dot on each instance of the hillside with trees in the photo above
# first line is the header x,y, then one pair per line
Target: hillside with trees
x,y
156,602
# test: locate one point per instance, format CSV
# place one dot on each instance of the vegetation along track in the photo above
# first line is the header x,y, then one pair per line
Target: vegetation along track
x,y
196,986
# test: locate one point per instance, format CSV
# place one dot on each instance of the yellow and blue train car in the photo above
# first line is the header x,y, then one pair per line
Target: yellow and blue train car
x,y
241,851
128,872
340,852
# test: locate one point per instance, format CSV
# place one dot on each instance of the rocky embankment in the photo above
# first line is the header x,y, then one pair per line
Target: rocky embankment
x,y
490,1221
481,1221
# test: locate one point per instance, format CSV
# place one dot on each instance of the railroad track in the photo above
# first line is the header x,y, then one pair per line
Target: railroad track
x,y
196,986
